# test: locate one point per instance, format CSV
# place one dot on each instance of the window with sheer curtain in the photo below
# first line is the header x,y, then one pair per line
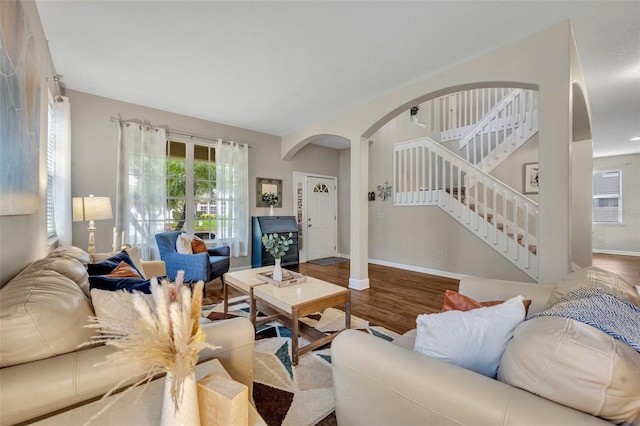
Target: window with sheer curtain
x,y
207,192
168,184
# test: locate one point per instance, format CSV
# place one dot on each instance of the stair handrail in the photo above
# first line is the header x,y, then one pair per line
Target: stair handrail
x,y
451,156
490,116
473,200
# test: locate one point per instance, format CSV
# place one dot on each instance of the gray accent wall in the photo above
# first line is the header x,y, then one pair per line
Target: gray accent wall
x,y
94,151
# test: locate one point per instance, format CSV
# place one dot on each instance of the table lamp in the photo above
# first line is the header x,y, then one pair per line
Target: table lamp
x,y
91,208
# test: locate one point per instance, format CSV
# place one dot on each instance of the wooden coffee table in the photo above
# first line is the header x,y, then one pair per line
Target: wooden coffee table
x,y
294,302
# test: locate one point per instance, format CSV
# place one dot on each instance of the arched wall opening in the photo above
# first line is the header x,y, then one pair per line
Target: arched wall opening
x,y
541,60
581,118
438,93
581,179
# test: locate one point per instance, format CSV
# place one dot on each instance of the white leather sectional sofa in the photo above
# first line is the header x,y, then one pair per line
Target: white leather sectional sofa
x,y
386,383
42,314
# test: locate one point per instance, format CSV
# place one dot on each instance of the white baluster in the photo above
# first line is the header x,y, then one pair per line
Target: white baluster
x,y
495,215
484,203
515,227
505,227
460,196
526,236
431,176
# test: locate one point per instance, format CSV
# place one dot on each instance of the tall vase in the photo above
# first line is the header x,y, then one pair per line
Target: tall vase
x,y
271,210
188,412
277,271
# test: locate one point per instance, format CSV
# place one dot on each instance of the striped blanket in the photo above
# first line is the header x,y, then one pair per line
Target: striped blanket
x,y
602,310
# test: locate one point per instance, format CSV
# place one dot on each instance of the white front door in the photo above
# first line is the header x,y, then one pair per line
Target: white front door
x,y
321,217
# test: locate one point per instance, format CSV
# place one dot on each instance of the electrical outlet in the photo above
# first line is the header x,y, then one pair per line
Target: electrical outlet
x,y
440,254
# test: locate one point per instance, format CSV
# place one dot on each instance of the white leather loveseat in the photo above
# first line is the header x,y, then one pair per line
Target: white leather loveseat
x,y
382,383
42,314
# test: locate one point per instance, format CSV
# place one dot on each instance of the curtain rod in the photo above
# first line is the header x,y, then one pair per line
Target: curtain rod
x,y
183,133
56,80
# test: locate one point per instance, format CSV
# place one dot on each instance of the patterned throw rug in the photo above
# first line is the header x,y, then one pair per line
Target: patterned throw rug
x,y
299,395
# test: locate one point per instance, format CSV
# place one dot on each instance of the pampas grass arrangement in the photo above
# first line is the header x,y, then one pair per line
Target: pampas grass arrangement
x,y
166,338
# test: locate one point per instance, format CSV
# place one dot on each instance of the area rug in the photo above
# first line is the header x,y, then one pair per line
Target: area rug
x,y
300,395
328,261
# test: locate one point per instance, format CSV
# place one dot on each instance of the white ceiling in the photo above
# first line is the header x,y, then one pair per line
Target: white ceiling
x,y
277,67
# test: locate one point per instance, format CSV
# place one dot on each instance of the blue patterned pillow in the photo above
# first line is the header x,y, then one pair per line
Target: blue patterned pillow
x,y
112,284
106,266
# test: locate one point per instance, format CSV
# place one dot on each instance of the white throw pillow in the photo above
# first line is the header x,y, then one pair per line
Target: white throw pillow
x,y
474,339
183,244
116,305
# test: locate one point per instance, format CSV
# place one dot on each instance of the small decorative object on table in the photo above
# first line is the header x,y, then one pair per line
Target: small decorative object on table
x,y
288,278
166,339
271,199
277,246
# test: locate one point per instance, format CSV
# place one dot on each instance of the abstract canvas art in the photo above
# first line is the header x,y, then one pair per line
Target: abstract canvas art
x,y
19,113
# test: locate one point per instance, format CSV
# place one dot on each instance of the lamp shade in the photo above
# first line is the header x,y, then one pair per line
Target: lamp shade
x,y
91,208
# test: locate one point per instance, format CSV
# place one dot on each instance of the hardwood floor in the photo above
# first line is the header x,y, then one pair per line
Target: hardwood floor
x,y
397,296
626,266
394,300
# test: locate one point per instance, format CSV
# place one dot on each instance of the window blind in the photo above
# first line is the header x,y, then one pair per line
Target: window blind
x,y
51,169
607,194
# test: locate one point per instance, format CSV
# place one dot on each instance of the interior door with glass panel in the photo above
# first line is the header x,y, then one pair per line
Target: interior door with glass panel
x,y
321,217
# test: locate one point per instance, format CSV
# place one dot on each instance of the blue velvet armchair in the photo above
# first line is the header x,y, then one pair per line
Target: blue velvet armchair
x,y
200,266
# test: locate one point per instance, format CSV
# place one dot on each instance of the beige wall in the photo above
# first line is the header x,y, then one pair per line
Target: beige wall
x,y
94,149
581,202
414,235
23,238
344,200
625,237
547,61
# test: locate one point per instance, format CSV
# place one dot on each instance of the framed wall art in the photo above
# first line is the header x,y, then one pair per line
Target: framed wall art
x,y
530,178
268,186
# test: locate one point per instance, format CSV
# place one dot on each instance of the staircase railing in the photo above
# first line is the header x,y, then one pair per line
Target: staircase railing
x,y
425,173
509,124
461,111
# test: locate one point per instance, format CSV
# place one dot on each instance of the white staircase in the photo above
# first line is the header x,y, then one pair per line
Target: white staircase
x,y
490,123
425,173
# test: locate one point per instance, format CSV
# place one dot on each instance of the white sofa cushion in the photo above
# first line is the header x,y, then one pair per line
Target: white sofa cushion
x,y
41,315
473,339
576,365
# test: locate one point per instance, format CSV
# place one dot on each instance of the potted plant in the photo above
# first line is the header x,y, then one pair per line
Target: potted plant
x,y
277,246
271,199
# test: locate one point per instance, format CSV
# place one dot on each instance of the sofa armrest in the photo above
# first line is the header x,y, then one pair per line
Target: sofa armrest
x,y
154,268
379,383
219,251
37,388
484,289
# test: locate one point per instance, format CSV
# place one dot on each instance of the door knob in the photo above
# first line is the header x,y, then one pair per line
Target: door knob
x,y
309,225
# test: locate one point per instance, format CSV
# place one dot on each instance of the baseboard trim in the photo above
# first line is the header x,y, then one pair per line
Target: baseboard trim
x,y
618,252
356,284
240,268
437,272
